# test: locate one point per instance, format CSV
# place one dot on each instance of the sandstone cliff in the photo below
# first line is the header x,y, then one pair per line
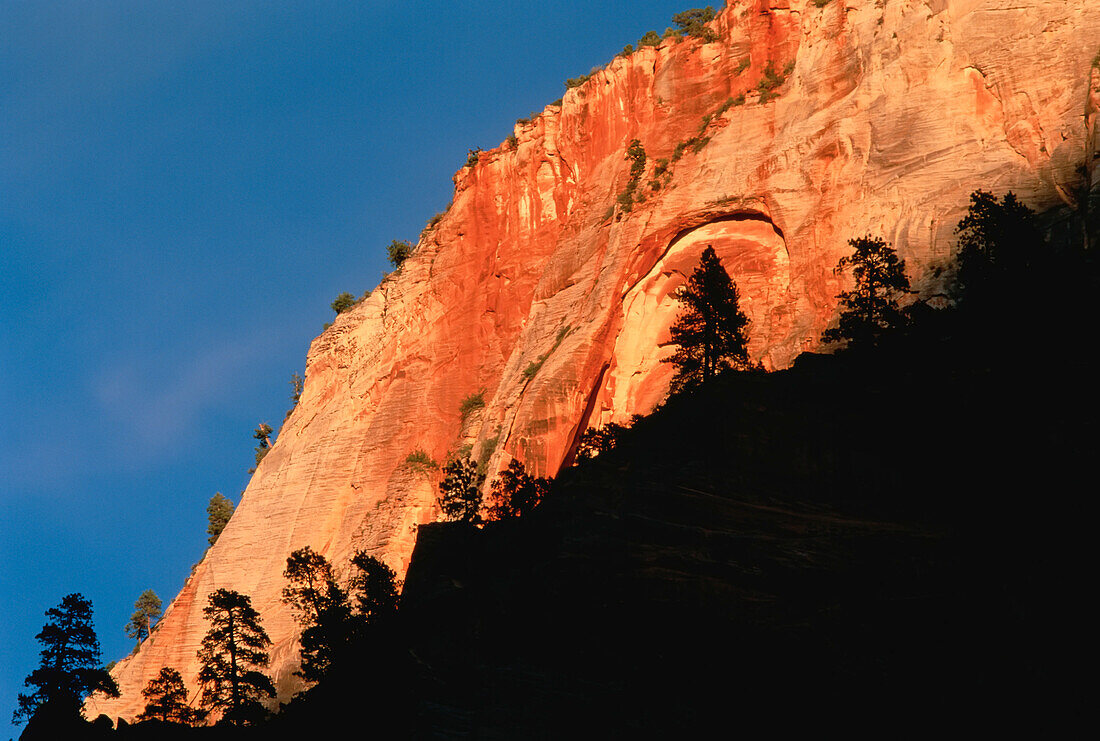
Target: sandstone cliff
x,y
539,291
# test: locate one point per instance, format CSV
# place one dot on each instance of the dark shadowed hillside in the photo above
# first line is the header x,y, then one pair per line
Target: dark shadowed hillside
x,y
897,534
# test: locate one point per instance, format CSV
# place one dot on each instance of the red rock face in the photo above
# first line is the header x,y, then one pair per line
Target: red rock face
x,y
539,292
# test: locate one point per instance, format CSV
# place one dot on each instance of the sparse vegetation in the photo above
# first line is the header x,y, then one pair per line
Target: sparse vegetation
x,y
698,143
299,384
472,156
471,404
432,224
573,82
398,251
343,302
420,461
488,445
771,81
743,65
650,38
536,365
635,152
262,433
693,22
512,141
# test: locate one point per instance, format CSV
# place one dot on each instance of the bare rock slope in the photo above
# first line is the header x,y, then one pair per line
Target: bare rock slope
x,y
799,128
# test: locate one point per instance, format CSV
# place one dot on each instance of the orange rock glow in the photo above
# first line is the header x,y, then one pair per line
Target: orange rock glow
x,y
887,118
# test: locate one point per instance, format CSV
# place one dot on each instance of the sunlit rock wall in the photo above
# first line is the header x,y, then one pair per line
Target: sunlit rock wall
x,y
537,291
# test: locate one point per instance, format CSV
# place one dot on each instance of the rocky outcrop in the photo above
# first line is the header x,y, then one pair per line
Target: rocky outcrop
x,y
800,127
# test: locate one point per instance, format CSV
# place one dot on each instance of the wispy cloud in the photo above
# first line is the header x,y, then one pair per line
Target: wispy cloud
x,y
138,410
155,403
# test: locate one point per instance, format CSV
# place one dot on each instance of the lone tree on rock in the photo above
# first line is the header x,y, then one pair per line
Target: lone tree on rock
x,y
399,251
218,512
344,302
460,491
871,307
70,667
147,611
262,433
710,333
166,700
693,23
233,651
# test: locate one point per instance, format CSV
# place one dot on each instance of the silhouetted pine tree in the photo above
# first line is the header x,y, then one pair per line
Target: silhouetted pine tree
x,y
320,606
166,700
460,490
710,333
998,241
70,667
375,588
232,650
871,307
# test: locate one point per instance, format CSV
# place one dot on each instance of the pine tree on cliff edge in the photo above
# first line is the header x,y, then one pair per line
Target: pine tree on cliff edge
x,y
147,610
710,333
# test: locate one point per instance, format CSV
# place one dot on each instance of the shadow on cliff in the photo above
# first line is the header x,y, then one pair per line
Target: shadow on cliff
x,y
895,536
899,533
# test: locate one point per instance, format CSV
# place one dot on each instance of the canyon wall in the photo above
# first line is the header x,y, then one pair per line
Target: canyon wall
x,y
538,290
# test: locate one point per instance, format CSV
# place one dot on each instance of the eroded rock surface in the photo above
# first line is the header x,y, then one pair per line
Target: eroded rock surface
x,y
539,292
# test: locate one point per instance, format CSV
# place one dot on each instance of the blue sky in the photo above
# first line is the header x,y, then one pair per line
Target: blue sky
x,y
184,188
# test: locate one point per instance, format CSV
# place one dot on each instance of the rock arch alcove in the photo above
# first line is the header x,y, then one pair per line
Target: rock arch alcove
x,y
753,251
